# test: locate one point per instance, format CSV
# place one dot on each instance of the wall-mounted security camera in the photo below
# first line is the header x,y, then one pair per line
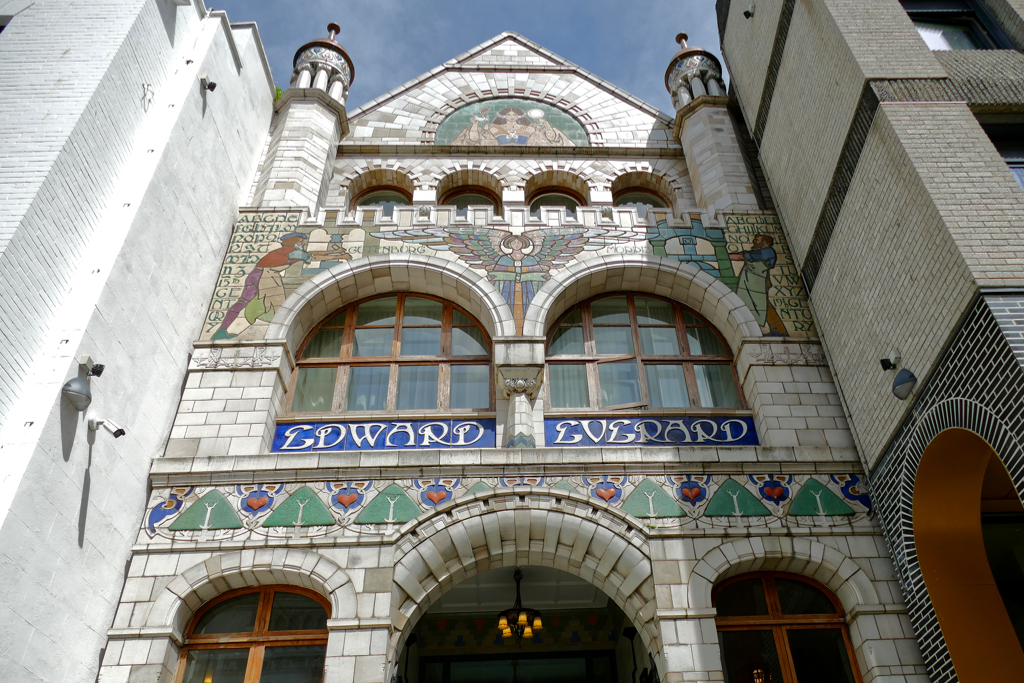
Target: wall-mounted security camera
x,y
892,361
118,432
207,84
749,12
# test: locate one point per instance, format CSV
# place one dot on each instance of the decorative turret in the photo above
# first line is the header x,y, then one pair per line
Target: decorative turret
x,y
325,65
692,72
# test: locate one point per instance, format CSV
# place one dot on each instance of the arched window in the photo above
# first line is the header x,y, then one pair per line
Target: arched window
x,y
470,195
638,351
274,633
401,352
386,197
639,199
781,628
560,196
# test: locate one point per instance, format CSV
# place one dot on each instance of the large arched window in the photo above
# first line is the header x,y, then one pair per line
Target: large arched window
x,y
270,634
401,352
782,628
385,197
556,197
470,195
638,351
639,199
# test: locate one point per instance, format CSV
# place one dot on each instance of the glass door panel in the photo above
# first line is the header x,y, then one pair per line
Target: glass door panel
x,y
750,657
819,655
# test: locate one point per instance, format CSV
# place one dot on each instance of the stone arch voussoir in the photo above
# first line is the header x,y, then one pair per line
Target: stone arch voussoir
x,y
202,582
666,277
353,280
497,528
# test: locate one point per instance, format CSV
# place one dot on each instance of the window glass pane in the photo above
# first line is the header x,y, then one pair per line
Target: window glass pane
x,y
216,666
716,386
373,341
820,655
303,664
620,383
667,386
704,342
798,597
460,318
338,320
464,201
386,198
653,311
1018,173
294,612
419,311
742,599
612,310
569,386
325,344
421,341
237,615
368,388
314,390
939,36
433,672
614,340
750,657
417,387
377,311
468,341
569,203
659,341
470,386
567,340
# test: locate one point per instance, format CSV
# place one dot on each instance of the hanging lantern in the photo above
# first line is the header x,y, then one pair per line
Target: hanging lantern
x,y
519,621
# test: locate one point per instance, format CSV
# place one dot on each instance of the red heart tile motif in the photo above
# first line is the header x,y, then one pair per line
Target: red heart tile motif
x,y
690,493
774,491
479,623
607,493
254,503
437,496
347,499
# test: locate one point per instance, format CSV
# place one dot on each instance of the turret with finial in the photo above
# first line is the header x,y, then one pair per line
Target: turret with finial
x,y
693,72
324,64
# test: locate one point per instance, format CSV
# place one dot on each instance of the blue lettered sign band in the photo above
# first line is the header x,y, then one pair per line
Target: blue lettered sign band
x,y
652,431
383,435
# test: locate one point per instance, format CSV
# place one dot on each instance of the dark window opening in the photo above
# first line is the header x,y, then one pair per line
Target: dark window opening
x,y
955,25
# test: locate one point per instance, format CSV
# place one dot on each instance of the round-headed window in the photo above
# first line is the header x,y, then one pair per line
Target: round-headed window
x,y
464,197
781,628
570,201
638,351
274,633
387,198
401,352
639,200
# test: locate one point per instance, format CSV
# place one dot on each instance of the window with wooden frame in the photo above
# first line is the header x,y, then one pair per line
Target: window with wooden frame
x,y
384,196
470,195
273,634
640,199
556,197
622,351
775,627
395,353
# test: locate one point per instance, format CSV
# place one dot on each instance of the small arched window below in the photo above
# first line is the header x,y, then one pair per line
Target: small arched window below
x,y
641,200
470,195
387,198
400,352
782,628
638,351
553,197
269,634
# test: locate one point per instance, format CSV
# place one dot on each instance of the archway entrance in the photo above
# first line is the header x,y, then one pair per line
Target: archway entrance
x,y
969,534
585,636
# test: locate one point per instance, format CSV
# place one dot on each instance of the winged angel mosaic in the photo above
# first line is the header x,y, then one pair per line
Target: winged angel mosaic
x,y
516,262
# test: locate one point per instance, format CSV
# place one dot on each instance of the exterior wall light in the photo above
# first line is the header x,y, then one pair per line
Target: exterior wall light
x,y
77,392
903,384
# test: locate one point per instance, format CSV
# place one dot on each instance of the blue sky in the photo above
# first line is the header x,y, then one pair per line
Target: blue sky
x,y
391,42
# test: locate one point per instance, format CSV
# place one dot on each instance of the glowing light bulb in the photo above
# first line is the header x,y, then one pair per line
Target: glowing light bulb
x,y
527,632
507,633
537,624
502,623
523,619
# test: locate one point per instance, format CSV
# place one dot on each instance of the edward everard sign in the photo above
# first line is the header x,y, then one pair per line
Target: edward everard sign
x,y
560,432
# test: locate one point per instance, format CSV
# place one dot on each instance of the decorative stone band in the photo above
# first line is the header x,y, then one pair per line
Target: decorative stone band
x,y
217,358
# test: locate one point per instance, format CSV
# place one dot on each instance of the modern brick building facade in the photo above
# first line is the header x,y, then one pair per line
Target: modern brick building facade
x,y
362,364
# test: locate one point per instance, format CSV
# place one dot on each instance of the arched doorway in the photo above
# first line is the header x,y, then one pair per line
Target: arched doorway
x,y
969,536
584,638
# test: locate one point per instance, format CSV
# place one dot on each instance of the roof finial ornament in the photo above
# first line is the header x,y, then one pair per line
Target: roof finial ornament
x,y
692,73
681,38
332,30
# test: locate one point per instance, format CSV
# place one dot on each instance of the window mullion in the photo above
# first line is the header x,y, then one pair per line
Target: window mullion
x,y
638,350
785,656
396,340
392,402
254,667
444,386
